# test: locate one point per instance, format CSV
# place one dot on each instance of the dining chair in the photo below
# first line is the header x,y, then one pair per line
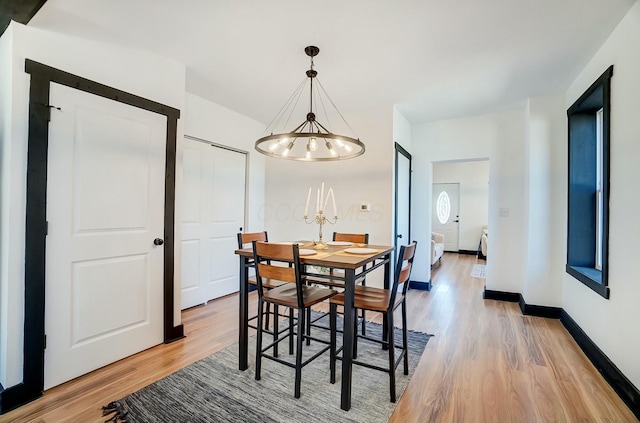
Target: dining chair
x,y
384,301
354,238
337,283
282,262
245,239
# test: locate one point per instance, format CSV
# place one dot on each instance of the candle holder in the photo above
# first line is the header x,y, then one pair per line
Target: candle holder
x,y
320,219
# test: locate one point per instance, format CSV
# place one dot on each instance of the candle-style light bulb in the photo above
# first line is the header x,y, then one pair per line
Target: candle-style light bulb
x,y
308,154
285,153
331,149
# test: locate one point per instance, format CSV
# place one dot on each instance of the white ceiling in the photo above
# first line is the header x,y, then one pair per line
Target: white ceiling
x,y
433,59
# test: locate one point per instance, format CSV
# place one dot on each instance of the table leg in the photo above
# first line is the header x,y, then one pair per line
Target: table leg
x,y
243,332
348,338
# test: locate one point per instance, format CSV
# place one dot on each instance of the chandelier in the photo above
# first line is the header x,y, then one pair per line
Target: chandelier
x,y
310,140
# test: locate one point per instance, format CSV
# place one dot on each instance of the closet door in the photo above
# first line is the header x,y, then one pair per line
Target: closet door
x,y
213,213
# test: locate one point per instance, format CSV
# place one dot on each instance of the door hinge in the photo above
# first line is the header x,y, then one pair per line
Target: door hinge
x,y
48,108
45,341
46,228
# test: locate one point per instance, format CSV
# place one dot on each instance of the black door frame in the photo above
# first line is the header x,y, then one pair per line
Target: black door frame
x,y
400,150
36,227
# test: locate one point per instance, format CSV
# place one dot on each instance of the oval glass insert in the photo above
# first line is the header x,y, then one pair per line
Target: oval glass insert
x,y
443,207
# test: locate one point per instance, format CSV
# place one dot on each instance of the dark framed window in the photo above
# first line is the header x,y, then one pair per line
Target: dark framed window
x,y
588,208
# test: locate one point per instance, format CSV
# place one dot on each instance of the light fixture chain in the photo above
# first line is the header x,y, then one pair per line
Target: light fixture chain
x,y
295,105
334,106
324,109
276,119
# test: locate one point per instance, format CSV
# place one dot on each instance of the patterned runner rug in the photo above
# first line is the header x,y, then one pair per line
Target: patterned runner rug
x,y
214,390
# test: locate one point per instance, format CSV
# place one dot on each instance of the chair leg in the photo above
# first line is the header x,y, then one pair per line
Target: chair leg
x,y
308,326
405,341
301,329
332,348
364,325
276,330
259,340
355,335
392,358
290,331
266,320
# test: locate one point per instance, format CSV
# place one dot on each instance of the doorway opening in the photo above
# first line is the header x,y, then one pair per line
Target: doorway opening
x,y
460,205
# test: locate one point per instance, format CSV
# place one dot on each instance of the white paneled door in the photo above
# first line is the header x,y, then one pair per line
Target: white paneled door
x,y
212,215
105,208
446,214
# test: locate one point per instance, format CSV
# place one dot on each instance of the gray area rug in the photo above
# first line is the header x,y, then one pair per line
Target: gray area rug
x,y
214,390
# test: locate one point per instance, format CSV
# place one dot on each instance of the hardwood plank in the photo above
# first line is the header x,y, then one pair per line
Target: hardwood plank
x,y
486,363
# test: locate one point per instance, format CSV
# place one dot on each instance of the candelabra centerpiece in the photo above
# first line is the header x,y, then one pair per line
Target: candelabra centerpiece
x,y
320,217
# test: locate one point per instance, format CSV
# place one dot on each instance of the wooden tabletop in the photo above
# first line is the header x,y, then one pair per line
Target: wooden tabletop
x,y
334,256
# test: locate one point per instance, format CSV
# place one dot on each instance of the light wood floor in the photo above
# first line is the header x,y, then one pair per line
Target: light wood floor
x,y
486,363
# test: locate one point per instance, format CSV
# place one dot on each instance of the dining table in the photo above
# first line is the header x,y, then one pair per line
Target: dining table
x,y
355,261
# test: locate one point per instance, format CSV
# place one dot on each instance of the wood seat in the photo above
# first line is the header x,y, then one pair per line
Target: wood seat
x,y
370,298
383,301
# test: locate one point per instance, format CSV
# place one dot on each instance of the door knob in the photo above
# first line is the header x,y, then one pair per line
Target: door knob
x,y
158,241
399,236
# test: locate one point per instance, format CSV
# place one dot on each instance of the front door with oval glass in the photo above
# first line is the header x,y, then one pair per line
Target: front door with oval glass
x,y
446,214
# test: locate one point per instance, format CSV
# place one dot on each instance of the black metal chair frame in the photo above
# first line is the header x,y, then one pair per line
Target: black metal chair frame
x,y
302,324
388,315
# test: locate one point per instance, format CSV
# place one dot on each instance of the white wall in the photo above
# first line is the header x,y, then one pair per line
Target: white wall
x,y
138,72
364,179
612,324
473,177
499,138
209,121
401,130
545,200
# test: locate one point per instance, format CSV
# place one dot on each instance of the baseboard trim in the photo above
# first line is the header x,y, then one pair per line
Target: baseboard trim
x,y
614,377
421,286
618,381
512,297
468,252
15,396
539,311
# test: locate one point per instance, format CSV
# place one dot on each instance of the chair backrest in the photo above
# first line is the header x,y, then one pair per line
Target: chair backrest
x,y
357,238
403,270
248,238
270,259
